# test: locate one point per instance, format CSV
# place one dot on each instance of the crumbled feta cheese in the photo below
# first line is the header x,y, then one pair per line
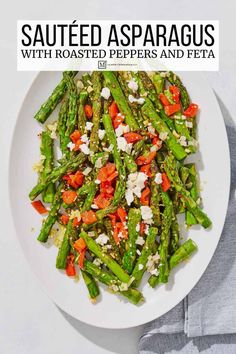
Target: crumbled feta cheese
x,y
85,149
138,252
94,206
154,148
140,241
105,93
163,135
101,133
84,138
140,266
139,100
126,128
89,89
129,196
123,287
182,140
97,262
89,126
188,124
75,214
132,85
97,181
98,163
158,178
137,227
86,171
119,131
136,182
151,130
71,146
146,212
123,145
149,221
102,239
132,99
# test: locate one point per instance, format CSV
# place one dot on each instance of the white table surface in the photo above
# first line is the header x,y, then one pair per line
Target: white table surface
x,y
29,321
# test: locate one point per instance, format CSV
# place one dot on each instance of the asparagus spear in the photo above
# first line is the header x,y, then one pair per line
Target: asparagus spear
x,y
138,148
133,295
65,247
174,234
165,237
145,83
194,192
180,255
150,89
97,110
170,167
158,82
51,103
72,109
134,218
105,258
91,284
61,125
122,79
130,163
103,156
52,216
57,173
86,79
113,84
161,127
83,96
120,184
46,150
115,248
92,189
140,266
175,80
155,195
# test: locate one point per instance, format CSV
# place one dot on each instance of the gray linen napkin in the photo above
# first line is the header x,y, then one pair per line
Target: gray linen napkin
x,y
208,313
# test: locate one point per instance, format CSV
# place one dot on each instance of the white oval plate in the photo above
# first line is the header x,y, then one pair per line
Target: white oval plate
x,y
112,311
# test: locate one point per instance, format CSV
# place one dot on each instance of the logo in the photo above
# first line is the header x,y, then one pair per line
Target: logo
x,y
102,64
